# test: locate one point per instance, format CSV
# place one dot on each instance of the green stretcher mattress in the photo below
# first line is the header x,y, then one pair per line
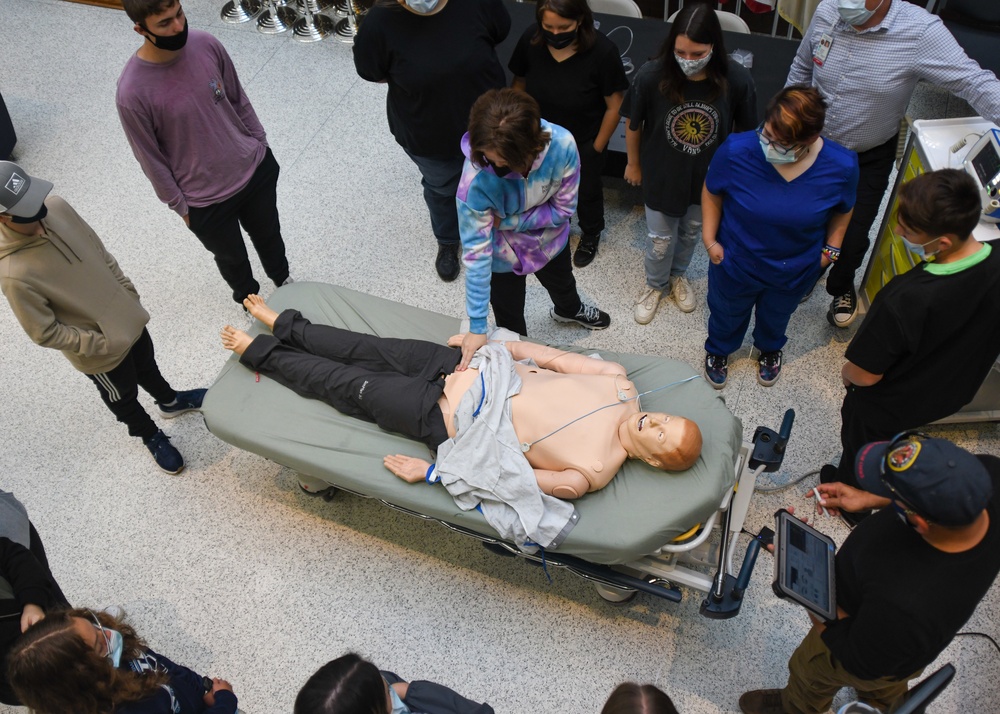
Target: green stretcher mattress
x,y
639,511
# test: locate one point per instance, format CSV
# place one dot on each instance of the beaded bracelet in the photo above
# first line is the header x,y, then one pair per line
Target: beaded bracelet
x,y
832,254
712,246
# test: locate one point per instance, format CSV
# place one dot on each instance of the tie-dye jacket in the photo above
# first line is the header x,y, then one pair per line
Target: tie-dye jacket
x,y
534,212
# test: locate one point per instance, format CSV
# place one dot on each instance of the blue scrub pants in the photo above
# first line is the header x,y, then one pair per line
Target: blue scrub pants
x,y
734,294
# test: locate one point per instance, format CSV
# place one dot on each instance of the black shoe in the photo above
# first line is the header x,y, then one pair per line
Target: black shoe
x,y
843,309
828,474
166,456
586,251
853,518
447,262
588,316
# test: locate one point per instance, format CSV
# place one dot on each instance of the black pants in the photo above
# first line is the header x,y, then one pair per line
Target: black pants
x,y
875,166
856,431
119,388
392,382
255,207
507,292
590,208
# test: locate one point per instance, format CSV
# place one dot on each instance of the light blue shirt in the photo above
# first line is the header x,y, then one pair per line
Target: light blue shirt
x,y
868,77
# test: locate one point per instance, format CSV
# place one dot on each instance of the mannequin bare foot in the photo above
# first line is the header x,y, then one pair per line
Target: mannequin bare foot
x,y
256,306
235,340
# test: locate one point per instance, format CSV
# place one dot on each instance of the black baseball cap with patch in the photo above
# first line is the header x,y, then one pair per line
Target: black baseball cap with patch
x,y
21,195
940,481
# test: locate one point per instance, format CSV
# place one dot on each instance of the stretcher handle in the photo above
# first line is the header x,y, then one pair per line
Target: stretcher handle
x,y
785,431
746,570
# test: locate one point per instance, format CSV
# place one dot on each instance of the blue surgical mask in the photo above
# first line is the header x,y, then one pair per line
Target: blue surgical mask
x,y
920,249
422,7
854,12
115,645
397,704
693,67
773,156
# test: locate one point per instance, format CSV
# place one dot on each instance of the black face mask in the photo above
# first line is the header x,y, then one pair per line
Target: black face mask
x,y
560,40
172,43
42,212
499,170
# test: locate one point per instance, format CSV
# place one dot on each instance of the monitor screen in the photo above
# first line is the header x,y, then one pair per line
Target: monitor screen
x,y
807,571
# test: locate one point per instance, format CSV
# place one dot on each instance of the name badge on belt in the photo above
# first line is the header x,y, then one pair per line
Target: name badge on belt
x,y
822,49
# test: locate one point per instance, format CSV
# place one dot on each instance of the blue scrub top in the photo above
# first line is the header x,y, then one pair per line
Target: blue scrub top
x,y
775,228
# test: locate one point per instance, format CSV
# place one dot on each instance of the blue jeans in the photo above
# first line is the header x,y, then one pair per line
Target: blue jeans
x,y
733,295
440,182
670,243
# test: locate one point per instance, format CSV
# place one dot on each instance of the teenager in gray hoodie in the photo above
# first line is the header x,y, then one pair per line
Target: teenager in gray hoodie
x,y
69,294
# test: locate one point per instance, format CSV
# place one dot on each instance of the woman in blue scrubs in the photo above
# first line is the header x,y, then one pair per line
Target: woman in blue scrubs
x,y
775,207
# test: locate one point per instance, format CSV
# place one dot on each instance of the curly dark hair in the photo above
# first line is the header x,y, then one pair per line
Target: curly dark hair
x,y
53,671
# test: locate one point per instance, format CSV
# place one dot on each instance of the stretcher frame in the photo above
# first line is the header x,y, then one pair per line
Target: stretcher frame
x,y
696,560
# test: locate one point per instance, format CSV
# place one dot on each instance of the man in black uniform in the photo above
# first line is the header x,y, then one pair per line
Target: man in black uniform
x,y
933,333
908,578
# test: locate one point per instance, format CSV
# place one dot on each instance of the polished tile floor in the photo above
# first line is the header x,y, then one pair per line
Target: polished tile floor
x,y
228,567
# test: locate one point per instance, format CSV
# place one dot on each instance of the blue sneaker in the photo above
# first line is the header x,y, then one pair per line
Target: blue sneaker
x,y
716,370
167,457
188,401
769,367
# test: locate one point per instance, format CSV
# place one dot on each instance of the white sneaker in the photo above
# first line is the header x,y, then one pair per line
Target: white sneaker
x,y
645,306
683,294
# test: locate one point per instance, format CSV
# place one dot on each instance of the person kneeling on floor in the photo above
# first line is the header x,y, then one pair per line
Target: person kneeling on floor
x,y
908,578
69,294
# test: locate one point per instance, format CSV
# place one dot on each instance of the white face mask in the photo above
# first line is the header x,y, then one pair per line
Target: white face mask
x,y
854,12
693,67
422,7
920,249
398,707
774,156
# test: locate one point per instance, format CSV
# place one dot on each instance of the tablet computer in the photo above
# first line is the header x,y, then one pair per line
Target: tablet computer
x,y
804,565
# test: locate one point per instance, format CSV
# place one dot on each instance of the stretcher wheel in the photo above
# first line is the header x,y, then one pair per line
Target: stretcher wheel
x,y
613,595
315,487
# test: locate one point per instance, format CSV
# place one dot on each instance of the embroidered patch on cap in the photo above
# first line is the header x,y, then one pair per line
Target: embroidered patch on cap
x,y
902,457
16,183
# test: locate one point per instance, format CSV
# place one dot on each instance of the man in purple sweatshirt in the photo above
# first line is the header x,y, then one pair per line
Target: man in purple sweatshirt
x,y
200,143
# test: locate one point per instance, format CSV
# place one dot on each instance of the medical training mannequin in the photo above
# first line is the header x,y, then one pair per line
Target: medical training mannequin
x,y
568,459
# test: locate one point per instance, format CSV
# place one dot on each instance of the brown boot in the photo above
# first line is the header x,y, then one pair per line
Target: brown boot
x,y
762,701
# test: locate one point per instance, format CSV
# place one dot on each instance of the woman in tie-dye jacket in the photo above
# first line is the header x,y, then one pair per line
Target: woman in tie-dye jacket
x,y
516,197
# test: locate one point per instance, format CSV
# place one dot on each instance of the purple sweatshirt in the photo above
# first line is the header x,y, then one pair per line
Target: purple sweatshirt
x,y
190,125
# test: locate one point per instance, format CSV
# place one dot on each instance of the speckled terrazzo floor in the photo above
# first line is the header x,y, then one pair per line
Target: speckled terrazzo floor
x,y
229,568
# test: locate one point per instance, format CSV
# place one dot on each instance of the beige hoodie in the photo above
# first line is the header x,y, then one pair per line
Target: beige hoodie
x,y
68,292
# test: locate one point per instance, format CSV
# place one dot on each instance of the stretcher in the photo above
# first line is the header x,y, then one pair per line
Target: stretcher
x,y
646,531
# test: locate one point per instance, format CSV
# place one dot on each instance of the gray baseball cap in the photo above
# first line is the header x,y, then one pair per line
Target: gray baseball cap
x,y
21,195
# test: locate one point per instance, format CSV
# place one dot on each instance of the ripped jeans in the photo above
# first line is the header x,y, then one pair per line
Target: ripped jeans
x,y
670,243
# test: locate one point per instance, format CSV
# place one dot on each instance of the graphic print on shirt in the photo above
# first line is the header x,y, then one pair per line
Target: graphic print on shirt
x,y
217,92
692,126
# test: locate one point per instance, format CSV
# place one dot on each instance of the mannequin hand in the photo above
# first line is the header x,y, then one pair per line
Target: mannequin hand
x,y
408,468
470,343
716,253
30,615
633,174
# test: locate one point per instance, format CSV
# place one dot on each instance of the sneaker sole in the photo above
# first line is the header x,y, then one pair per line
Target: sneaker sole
x,y
171,415
171,473
766,382
682,307
714,385
560,318
833,320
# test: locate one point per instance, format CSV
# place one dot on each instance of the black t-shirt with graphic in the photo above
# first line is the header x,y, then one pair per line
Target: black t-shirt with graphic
x,y
570,93
679,139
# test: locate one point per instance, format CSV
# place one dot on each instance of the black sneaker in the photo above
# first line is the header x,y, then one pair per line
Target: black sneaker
x,y
447,262
188,401
164,454
769,367
588,316
586,251
843,309
716,370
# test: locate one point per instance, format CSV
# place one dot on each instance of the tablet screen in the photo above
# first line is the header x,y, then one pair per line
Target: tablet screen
x,y
804,567
806,571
